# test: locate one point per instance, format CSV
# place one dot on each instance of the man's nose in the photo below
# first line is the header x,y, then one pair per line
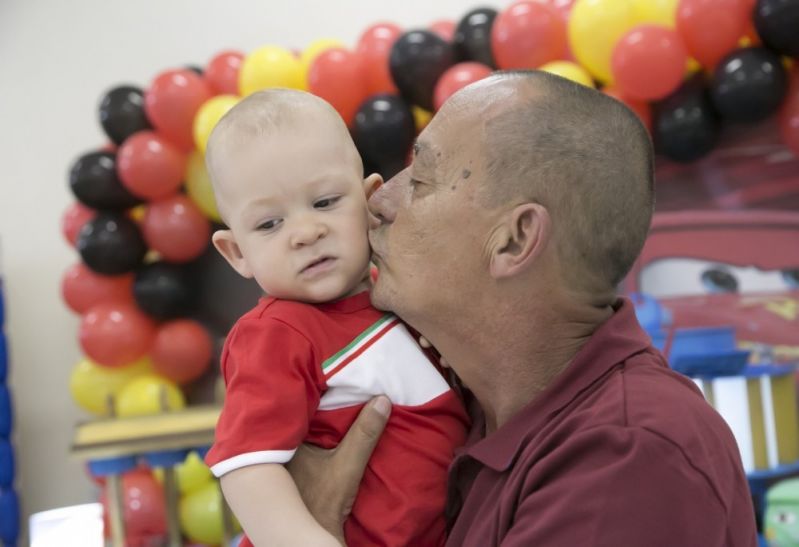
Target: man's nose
x,y
307,232
383,203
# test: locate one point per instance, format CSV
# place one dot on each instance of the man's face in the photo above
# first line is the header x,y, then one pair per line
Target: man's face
x,y
429,246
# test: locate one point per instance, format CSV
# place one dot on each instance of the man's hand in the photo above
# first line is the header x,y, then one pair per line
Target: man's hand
x,y
328,480
425,343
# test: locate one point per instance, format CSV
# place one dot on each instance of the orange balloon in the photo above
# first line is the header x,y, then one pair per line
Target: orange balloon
x,y
374,48
73,220
176,229
150,166
457,77
116,333
82,288
337,76
222,72
182,351
171,102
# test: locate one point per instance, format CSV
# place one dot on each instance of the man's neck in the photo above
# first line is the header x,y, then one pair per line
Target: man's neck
x,y
507,367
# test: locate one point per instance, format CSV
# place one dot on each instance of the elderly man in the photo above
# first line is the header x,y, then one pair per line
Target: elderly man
x,y
527,202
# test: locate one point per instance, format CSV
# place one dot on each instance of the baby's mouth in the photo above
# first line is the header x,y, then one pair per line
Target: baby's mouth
x,y
318,264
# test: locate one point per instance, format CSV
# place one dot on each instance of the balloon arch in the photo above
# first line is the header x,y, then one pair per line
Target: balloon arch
x,y
145,209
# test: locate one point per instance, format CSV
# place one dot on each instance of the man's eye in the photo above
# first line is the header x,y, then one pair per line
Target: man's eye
x,y
326,202
269,225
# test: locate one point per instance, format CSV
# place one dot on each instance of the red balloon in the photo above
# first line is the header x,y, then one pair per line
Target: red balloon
x,y
711,28
563,7
337,76
789,114
374,47
222,72
149,166
641,108
444,28
83,288
182,350
649,62
456,77
73,220
143,509
527,35
116,333
176,228
171,102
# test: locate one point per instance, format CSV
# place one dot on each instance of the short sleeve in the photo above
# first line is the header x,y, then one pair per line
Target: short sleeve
x,y
272,389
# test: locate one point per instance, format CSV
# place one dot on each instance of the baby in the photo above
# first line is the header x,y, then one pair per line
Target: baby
x,y
298,367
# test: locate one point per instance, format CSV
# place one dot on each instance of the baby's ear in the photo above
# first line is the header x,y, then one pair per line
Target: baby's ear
x,y
225,243
372,184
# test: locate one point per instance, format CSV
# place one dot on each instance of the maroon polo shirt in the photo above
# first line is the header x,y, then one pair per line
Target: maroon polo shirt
x,y
619,451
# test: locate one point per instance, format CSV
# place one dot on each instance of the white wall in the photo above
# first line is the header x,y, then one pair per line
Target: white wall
x,y
56,59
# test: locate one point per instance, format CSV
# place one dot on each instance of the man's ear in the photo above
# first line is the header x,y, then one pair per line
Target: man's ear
x,y
520,240
372,184
226,244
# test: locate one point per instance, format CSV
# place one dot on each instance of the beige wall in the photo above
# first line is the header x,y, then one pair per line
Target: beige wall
x,y
56,59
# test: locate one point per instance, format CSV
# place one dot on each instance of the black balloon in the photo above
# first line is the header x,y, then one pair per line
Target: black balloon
x,y
164,291
384,131
473,36
777,24
418,59
122,113
749,84
685,126
93,179
197,70
111,244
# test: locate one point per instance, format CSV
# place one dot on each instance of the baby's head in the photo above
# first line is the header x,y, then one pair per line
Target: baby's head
x,y
289,185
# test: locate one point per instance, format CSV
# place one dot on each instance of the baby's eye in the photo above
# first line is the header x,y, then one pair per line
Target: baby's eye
x,y
324,203
270,224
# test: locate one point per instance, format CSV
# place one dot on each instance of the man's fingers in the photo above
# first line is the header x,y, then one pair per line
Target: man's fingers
x,y
424,342
356,447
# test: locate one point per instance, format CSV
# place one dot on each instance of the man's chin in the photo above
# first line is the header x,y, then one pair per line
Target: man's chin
x,y
378,296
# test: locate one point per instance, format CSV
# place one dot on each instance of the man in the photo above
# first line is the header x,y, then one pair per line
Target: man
x,y
528,200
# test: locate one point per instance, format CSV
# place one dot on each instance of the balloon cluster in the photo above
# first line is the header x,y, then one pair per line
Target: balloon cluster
x,y
143,214
144,504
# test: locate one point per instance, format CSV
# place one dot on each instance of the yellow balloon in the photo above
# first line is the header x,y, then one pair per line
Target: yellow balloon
x,y
270,66
595,26
148,394
208,116
421,117
570,71
201,515
312,52
92,386
655,12
198,186
192,474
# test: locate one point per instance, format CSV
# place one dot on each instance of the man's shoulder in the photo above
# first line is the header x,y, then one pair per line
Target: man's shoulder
x,y
661,399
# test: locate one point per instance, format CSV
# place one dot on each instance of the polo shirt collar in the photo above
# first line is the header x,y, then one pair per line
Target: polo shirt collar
x,y
618,338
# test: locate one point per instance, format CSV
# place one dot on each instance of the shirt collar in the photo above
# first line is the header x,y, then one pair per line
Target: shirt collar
x,y
618,338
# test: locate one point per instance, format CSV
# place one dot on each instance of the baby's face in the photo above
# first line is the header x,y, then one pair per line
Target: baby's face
x,y
296,207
